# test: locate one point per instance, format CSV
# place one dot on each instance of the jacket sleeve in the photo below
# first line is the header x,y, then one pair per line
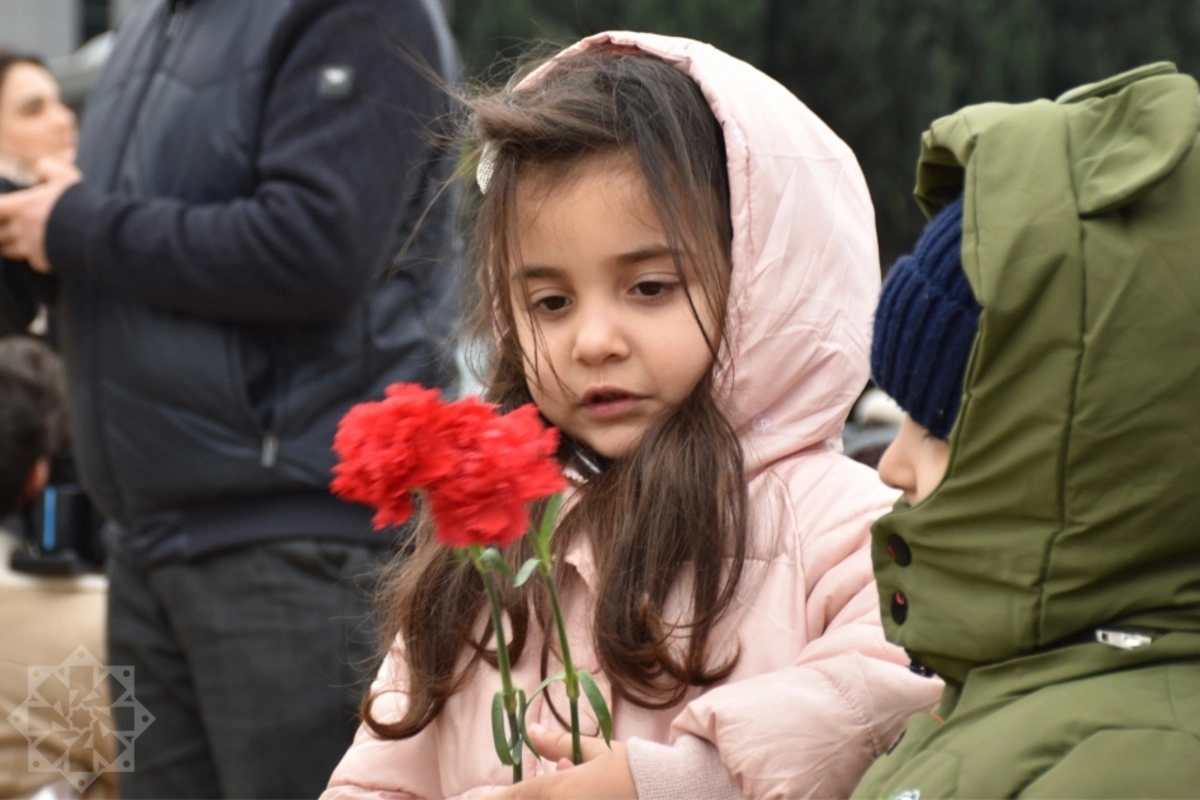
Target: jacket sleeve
x,y
689,767
812,728
383,769
333,178
379,769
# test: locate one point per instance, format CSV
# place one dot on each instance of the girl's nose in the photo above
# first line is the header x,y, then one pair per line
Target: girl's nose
x,y
599,336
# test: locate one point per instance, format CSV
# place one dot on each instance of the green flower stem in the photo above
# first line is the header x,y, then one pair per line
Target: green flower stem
x,y
502,662
572,680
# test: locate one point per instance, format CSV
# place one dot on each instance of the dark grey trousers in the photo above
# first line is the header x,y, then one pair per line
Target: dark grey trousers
x,y
252,663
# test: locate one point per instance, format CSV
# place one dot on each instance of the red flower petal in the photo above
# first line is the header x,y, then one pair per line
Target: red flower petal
x,y
479,469
387,450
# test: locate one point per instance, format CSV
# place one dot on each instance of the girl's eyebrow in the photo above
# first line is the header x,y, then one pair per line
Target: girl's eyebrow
x,y
532,272
645,254
529,272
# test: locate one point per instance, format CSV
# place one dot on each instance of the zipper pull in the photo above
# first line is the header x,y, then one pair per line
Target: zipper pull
x,y
270,450
1123,639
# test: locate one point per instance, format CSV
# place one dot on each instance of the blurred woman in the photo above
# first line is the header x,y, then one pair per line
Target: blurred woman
x,y
48,621
34,121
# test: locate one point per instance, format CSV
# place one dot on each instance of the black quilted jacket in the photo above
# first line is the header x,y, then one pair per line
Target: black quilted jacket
x,y
228,275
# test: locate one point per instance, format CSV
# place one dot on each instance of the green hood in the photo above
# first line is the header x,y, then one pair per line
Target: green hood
x,y
1072,496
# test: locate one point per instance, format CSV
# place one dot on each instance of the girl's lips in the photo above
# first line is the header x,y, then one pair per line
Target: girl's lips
x,y
609,406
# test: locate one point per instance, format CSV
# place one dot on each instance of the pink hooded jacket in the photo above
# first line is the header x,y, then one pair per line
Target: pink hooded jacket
x,y
817,693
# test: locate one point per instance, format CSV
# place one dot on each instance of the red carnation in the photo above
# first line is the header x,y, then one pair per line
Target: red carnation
x,y
503,463
388,449
478,469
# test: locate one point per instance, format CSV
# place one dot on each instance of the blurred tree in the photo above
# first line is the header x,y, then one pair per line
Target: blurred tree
x,y
487,29
877,71
492,33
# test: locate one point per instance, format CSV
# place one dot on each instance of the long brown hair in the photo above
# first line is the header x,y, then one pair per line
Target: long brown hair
x,y
678,501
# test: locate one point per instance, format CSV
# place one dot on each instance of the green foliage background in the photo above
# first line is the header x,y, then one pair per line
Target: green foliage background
x,y
877,71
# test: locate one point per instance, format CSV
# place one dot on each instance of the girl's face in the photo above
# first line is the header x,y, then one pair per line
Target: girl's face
x,y
915,461
33,120
610,339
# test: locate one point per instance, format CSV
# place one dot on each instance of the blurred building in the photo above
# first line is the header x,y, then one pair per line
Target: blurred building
x,y
53,28
70,34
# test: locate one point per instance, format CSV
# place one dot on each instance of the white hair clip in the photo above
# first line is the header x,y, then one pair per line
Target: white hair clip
x,y
487,165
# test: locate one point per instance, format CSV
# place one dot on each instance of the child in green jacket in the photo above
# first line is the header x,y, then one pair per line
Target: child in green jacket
x,y
1044,340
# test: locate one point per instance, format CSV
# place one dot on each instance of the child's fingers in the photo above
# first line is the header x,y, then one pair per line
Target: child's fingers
x,y
556,745
551,745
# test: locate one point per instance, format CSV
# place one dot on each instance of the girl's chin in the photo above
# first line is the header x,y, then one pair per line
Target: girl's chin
x,y
614,444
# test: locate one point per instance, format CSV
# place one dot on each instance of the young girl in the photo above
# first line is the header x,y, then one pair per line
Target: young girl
x,y
678,261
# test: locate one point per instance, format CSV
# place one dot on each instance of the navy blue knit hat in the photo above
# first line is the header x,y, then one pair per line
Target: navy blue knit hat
x,y
925,326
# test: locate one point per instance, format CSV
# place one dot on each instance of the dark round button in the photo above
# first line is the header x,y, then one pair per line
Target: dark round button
x,y
899,608
898,550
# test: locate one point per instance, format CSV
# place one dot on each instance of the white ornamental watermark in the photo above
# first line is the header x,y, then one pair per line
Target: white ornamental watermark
x,y
71,726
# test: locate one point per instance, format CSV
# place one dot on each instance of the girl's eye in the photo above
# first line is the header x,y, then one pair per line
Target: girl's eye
x,y
653,288
555,302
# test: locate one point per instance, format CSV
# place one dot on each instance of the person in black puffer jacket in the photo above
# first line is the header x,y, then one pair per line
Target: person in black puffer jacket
x,y
228,286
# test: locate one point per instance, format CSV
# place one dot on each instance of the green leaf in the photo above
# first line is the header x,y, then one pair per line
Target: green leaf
x,y
596,699
519,734
548,520
492,559
527,569
558,676
498,736
522,708
460,555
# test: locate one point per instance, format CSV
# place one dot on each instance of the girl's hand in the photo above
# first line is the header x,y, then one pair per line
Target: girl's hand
x,y
604,773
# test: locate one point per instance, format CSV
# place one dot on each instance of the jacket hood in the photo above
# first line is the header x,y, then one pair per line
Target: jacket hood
x,y
1070,501
805,259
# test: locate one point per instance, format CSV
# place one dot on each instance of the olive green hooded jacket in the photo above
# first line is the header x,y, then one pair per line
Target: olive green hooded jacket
x,y
1070,508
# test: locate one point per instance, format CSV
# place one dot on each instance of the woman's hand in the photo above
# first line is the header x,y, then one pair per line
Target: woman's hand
x,y
24,214
604,772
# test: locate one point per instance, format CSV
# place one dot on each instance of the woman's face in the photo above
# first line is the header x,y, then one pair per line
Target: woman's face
x,y
34,123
